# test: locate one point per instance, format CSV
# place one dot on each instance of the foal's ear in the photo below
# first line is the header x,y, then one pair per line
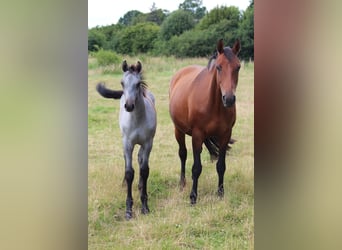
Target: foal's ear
x,y
220,47
124,66
139,66
236,47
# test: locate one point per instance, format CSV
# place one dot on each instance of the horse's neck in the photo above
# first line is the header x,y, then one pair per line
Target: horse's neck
x,y
214,91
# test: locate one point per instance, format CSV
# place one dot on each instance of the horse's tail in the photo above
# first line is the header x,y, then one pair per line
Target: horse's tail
x,y
213,147
108,93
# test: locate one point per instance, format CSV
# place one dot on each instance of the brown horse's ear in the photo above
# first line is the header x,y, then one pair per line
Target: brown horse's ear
x,y
220,47
124,66
236,47
139,66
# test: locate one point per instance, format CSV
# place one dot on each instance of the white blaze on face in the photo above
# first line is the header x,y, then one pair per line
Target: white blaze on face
x,y
131,89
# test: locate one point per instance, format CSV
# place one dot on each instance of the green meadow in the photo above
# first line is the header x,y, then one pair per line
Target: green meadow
x,y
213,223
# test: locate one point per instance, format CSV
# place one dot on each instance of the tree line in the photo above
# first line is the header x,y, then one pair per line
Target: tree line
x,y
189,31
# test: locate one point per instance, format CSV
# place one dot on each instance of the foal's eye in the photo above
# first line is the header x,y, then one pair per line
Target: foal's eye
x,y
138,85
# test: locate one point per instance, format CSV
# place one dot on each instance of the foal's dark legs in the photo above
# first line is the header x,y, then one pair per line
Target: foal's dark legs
x,y
129,176
143,157
182,152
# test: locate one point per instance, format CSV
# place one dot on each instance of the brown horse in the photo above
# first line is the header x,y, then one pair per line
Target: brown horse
x,y
202,105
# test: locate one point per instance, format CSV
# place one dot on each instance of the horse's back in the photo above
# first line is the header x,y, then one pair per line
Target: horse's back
x,y
184,76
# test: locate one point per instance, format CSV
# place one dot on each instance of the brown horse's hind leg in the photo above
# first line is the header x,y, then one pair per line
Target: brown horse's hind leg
x,y
197,141
182,152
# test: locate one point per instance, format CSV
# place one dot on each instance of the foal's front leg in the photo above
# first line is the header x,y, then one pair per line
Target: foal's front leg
x,y
143,157
129,176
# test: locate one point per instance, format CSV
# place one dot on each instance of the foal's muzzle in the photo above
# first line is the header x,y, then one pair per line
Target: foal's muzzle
x,y
129,107
228,100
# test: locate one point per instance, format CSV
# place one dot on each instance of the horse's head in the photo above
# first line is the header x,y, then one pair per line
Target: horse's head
x,y
131,84
227,71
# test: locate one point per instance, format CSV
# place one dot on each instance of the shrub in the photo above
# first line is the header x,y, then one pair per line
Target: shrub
x,y
106,57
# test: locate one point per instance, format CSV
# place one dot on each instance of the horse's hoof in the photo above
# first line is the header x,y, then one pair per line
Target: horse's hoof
x,y
182,184
128,215
193,198
220,192
145,210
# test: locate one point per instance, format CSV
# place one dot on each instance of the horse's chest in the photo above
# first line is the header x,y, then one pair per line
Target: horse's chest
x,y
137,134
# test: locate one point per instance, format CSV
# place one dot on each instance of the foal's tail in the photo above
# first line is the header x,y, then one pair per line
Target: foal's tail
x,y
108,93
213,147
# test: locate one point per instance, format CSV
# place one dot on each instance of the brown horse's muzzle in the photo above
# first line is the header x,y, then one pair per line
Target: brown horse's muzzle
x,y
228,100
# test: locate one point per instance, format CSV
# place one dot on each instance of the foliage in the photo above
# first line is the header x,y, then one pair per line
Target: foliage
x,y
182,33
156,15
106,58
218,14
138,38
96,40
175,24
129,17
193,43
246,33
194,7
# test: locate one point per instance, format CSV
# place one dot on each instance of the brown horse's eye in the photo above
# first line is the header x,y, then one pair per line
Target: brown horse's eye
x,y
219,68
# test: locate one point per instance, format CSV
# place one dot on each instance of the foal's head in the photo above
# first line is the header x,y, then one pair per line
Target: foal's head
x,y
132,84
227,71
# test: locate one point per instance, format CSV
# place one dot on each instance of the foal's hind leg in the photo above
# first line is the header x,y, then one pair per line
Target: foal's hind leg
x,y
143,156
182,152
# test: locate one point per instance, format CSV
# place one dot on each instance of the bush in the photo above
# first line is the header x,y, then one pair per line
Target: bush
x,y
137,38
96,40
106,57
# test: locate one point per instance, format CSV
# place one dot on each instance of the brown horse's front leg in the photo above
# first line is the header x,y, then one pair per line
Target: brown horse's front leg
x,y
221,165
221,168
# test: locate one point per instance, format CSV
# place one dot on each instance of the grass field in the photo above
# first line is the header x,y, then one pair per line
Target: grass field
x,y
172,224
